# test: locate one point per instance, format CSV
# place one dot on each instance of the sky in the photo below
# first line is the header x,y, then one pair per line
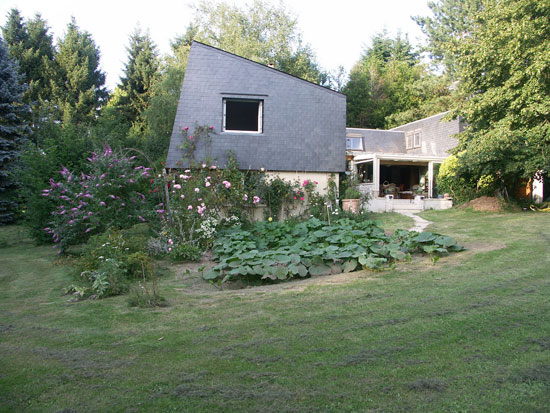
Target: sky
x,y
337,31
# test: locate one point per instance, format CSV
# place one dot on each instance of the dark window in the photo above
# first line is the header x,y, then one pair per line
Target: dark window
x,y
242,115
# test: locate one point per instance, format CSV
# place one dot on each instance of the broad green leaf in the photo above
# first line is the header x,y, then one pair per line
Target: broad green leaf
x,y
319,269
350,265
424,237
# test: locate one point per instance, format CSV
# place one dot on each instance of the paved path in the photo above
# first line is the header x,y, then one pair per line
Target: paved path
x,y
420,224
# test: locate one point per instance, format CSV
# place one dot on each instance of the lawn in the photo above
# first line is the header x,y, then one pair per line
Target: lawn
x,y
471,333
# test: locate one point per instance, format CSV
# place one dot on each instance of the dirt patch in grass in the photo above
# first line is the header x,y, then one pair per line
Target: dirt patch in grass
x,y
368,355
428,384
537,373
485,204
543,343
190,280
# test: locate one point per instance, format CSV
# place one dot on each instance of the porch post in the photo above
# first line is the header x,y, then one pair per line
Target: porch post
x,y
376,175
430,179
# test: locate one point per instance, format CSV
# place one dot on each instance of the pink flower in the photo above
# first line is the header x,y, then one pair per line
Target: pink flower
x,y
211,127
177,186
88,230
256,199
203,165
186,128
102,203
197,190
182,196
189,207
316,183
213,167
191,137
227,184
245,197
207,184
160,211
170,241
305,183
169,248
301,198
295,198
141,218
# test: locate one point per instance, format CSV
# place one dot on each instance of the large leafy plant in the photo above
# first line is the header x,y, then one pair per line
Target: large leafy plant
x,y
278,251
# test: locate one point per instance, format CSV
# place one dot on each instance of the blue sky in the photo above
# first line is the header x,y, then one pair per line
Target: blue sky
x,y
338,31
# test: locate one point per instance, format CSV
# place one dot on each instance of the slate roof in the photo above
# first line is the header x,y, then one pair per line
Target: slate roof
x,y
303,123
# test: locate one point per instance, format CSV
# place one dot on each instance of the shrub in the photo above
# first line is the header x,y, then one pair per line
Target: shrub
x,y
110,195
450,181
110,261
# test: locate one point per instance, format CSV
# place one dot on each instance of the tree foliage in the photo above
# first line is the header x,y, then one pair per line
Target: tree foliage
x,y
451,23
504,71
31,45
140,74
379,83
78,85
261,32
13,130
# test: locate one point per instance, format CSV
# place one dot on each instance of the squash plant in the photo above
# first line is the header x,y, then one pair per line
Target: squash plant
x,y
279,251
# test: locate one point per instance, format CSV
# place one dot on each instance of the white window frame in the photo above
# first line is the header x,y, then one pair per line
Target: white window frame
x,y
260,115
359,139
417,143
409,140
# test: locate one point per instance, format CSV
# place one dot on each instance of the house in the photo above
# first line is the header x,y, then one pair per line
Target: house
x,y
398,166
296,129
268,119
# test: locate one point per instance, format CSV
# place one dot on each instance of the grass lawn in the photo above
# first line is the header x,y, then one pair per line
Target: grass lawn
x,y
471,333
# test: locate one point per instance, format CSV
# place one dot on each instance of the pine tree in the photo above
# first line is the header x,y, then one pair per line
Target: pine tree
x,y
140,73
78,85
12,131
32,46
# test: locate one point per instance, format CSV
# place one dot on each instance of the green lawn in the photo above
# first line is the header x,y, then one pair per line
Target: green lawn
x,y
471,333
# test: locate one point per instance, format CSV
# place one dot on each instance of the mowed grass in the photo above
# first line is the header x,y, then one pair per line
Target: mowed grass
x,y
471,333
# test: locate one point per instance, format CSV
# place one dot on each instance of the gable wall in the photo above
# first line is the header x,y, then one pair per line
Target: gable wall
x,y
303,124
437,135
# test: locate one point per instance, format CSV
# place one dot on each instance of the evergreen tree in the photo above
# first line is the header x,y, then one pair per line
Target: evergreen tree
x,y
13,130
78,85
140,74
32,46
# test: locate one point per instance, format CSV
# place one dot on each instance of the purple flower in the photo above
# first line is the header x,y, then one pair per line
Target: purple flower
x,y
88,230
141,218
102,203
160,211
112,196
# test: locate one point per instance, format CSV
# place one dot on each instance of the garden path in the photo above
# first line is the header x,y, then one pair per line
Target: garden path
x,y
420,224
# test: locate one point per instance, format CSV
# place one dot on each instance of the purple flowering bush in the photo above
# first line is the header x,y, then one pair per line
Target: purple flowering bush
x,y
109,195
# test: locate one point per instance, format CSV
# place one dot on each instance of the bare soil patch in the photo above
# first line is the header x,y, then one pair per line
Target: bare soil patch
x,y
190,278
486,204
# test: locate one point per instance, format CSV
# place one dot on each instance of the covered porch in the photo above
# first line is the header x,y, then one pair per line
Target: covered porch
x,y
402,175
399,181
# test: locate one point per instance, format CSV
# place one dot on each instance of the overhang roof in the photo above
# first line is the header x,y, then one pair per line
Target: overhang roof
x,y
367,157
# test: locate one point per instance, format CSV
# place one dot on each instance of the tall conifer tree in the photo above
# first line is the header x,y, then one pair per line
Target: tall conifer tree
x,y
13,130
